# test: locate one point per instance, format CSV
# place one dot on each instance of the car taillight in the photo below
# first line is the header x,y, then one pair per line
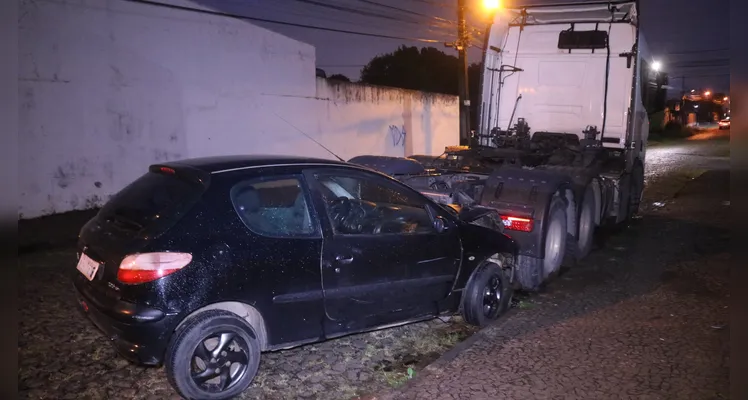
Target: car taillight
x,y
517,223
146,267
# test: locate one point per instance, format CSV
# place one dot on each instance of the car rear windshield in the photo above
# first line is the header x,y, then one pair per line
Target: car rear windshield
x,y
153,200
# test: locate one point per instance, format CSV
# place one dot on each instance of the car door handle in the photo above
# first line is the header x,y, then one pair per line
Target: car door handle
x,y
343,259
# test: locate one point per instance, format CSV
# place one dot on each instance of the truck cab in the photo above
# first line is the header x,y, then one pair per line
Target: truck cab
x,y
565,69
562,137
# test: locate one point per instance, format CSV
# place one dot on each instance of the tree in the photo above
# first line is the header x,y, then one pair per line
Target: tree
x,y
427,69
339,77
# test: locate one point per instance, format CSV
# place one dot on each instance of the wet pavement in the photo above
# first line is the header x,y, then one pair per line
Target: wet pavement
x,y
645,316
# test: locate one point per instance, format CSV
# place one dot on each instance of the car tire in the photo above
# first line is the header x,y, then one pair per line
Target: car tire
x,y
487,295
585,237
241,349
555,241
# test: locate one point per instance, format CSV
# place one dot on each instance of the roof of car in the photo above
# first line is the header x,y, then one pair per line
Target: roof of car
x,y
226,163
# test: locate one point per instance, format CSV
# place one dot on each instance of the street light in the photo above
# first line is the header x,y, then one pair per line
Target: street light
x,y
725,98
491,5
707,93
656,66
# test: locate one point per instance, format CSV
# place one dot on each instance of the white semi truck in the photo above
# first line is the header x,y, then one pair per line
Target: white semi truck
x,y
561,146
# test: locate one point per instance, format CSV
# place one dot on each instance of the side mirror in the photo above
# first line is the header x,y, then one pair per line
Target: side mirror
x,y
440,224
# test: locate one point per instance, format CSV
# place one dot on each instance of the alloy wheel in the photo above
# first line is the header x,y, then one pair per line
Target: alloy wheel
x,y
219,361
492,298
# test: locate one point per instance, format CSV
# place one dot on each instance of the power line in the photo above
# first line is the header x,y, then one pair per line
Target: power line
x,y
408,11
370,13
271,21
696,51
699,76
701,66
355,10
708,64
330,19
278,7
704,61
436,3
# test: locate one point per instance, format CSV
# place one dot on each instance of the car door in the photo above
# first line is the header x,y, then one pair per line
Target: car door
x,y
383,260
277,246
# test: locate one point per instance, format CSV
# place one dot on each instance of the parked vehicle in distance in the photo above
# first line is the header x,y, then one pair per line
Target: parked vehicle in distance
x,y
725,123
203,264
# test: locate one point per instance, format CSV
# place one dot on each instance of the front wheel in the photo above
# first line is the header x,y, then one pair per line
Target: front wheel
x,y
487,296
214,356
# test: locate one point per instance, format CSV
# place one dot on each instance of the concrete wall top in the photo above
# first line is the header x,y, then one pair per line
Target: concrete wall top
x,y
350,92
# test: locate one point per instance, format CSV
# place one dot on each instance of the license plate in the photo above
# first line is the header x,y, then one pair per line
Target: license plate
x,y
87,267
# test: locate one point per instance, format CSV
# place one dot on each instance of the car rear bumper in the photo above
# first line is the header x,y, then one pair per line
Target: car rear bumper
x,y
139,340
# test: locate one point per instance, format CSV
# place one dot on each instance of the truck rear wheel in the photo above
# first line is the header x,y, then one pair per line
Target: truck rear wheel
x,y
555,238
586,224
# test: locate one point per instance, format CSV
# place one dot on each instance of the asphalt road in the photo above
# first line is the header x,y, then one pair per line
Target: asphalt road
x,y
645,317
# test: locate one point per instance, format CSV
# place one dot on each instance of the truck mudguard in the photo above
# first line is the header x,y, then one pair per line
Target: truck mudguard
x,y
524,193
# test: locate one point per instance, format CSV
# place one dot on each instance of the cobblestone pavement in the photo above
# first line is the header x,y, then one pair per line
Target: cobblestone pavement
x,y
646,318
62,355
643,317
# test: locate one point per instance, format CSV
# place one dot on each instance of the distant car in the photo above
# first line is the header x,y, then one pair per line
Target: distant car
x,y
725,123
203,264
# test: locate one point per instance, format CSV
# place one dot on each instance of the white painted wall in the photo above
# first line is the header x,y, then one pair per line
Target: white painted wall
x,y
354,119
109,87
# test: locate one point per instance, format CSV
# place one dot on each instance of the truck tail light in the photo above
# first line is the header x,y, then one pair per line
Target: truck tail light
x,y
147,267
517,223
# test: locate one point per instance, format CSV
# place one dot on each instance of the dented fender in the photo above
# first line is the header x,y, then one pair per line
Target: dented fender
x,y
483,244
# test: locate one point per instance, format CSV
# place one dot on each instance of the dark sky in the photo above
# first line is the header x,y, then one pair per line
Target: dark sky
x,y
690,37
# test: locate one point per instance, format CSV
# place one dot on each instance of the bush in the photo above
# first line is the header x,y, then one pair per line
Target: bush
x,y
672,130
657,122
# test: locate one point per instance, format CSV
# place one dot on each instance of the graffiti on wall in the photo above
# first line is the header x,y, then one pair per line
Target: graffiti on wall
x,y
397,135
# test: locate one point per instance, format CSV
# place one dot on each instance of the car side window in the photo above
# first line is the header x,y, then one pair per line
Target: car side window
x,y
274,207
359,203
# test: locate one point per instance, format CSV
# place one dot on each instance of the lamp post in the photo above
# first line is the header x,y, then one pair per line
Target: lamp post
x,y
461,44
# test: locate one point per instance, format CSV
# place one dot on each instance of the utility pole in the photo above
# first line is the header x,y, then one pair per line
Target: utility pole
x,y
462,43
682,113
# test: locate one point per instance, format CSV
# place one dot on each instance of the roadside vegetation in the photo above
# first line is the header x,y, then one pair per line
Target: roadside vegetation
x,y
670,132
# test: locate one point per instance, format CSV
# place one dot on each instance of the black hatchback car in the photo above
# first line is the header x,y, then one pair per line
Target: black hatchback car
x,y
203,264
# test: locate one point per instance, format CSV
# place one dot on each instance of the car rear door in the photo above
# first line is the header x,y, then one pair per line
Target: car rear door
x,y
385,264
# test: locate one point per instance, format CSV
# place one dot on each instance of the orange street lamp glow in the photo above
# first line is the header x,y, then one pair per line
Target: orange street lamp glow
x,y
725,98
707,93
491,5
